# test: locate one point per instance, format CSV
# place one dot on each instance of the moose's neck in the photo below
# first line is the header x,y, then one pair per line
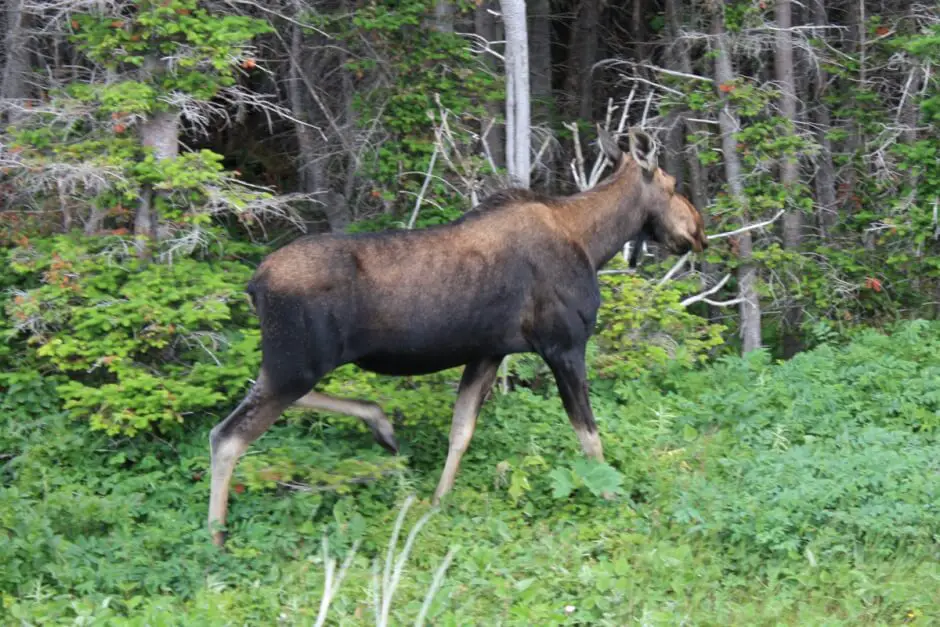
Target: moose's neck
x,y
608,215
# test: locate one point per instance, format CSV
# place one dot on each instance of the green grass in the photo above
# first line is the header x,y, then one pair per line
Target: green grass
x,y
804,493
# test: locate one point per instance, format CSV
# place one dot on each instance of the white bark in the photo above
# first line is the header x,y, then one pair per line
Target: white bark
x,y
518,107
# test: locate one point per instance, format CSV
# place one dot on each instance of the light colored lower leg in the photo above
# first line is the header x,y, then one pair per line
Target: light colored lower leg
x,y
461,432
466,410
590,443
224,458
369,413
230,438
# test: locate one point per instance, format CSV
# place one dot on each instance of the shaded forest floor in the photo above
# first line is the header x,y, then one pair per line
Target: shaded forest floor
x,y
751,493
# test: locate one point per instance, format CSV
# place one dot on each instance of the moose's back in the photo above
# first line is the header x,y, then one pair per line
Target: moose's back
x,y
411,302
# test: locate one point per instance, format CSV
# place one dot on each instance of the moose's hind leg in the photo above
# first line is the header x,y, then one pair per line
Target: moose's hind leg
x,y
369,413
231,437
570,375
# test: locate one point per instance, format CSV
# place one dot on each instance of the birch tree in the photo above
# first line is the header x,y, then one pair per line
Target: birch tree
x,y
518,108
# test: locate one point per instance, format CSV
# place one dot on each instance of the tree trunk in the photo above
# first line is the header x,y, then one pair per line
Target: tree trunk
x,y
310,167
909,109
490,29
695,184
681,60
518,114
13,85
540,56
728,125
444,16
789,167
825,182
639,30
783,65
855,141
582,56
161,133
677,58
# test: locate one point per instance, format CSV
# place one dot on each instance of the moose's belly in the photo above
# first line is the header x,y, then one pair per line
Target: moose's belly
x,y
427,357
415,364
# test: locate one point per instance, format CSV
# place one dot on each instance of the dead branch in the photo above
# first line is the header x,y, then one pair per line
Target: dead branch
x,y
424,187
749,227
704,295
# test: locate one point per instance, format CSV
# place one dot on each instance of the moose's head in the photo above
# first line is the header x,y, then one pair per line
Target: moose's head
x,y
669,218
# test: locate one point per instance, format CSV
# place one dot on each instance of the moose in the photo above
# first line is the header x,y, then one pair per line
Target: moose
x,y
515,274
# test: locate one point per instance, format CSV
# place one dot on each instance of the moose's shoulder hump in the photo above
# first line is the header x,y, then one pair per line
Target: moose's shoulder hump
x,y
507,197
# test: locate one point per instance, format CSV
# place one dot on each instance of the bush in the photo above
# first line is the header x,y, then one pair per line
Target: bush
x,y
136,347
741,504
642,327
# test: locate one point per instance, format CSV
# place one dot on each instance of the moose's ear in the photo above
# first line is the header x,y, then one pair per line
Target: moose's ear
x,y
643,148
608,145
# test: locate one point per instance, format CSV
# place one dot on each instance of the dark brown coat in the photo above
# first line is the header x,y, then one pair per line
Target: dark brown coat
x,y
516,274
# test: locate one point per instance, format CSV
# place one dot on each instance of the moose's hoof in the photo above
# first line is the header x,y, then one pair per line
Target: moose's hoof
x,y
385,436
218,539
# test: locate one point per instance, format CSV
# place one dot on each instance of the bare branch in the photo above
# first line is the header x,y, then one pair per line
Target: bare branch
x,y
424,187
580,177
672,271
749,227
704,295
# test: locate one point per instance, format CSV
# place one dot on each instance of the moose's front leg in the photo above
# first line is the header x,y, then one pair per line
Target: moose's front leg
x,y
477,379
571,376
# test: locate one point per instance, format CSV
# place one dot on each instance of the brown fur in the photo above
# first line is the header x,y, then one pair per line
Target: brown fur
x,y
515,274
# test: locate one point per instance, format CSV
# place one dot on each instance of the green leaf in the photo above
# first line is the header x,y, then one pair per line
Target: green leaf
x,y
563,483
598,477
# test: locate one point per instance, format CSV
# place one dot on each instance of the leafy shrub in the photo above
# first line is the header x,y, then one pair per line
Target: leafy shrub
x,y
642,327
142,347
733,510
835,449
875,488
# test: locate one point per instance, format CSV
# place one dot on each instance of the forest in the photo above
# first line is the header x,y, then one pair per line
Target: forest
x,y
769,408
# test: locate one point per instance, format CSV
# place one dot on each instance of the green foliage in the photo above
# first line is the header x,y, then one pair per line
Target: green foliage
x,y
202,45
599,478
88,127
829,498
642,328
142,347
751,493
420,71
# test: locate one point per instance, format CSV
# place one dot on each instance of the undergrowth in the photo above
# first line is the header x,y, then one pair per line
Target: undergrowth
x,y
750,492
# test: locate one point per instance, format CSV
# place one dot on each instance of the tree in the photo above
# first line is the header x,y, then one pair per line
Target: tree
x,y
789,165
518,110
582,56
540,56
13,84
114,137
825,179
749,308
